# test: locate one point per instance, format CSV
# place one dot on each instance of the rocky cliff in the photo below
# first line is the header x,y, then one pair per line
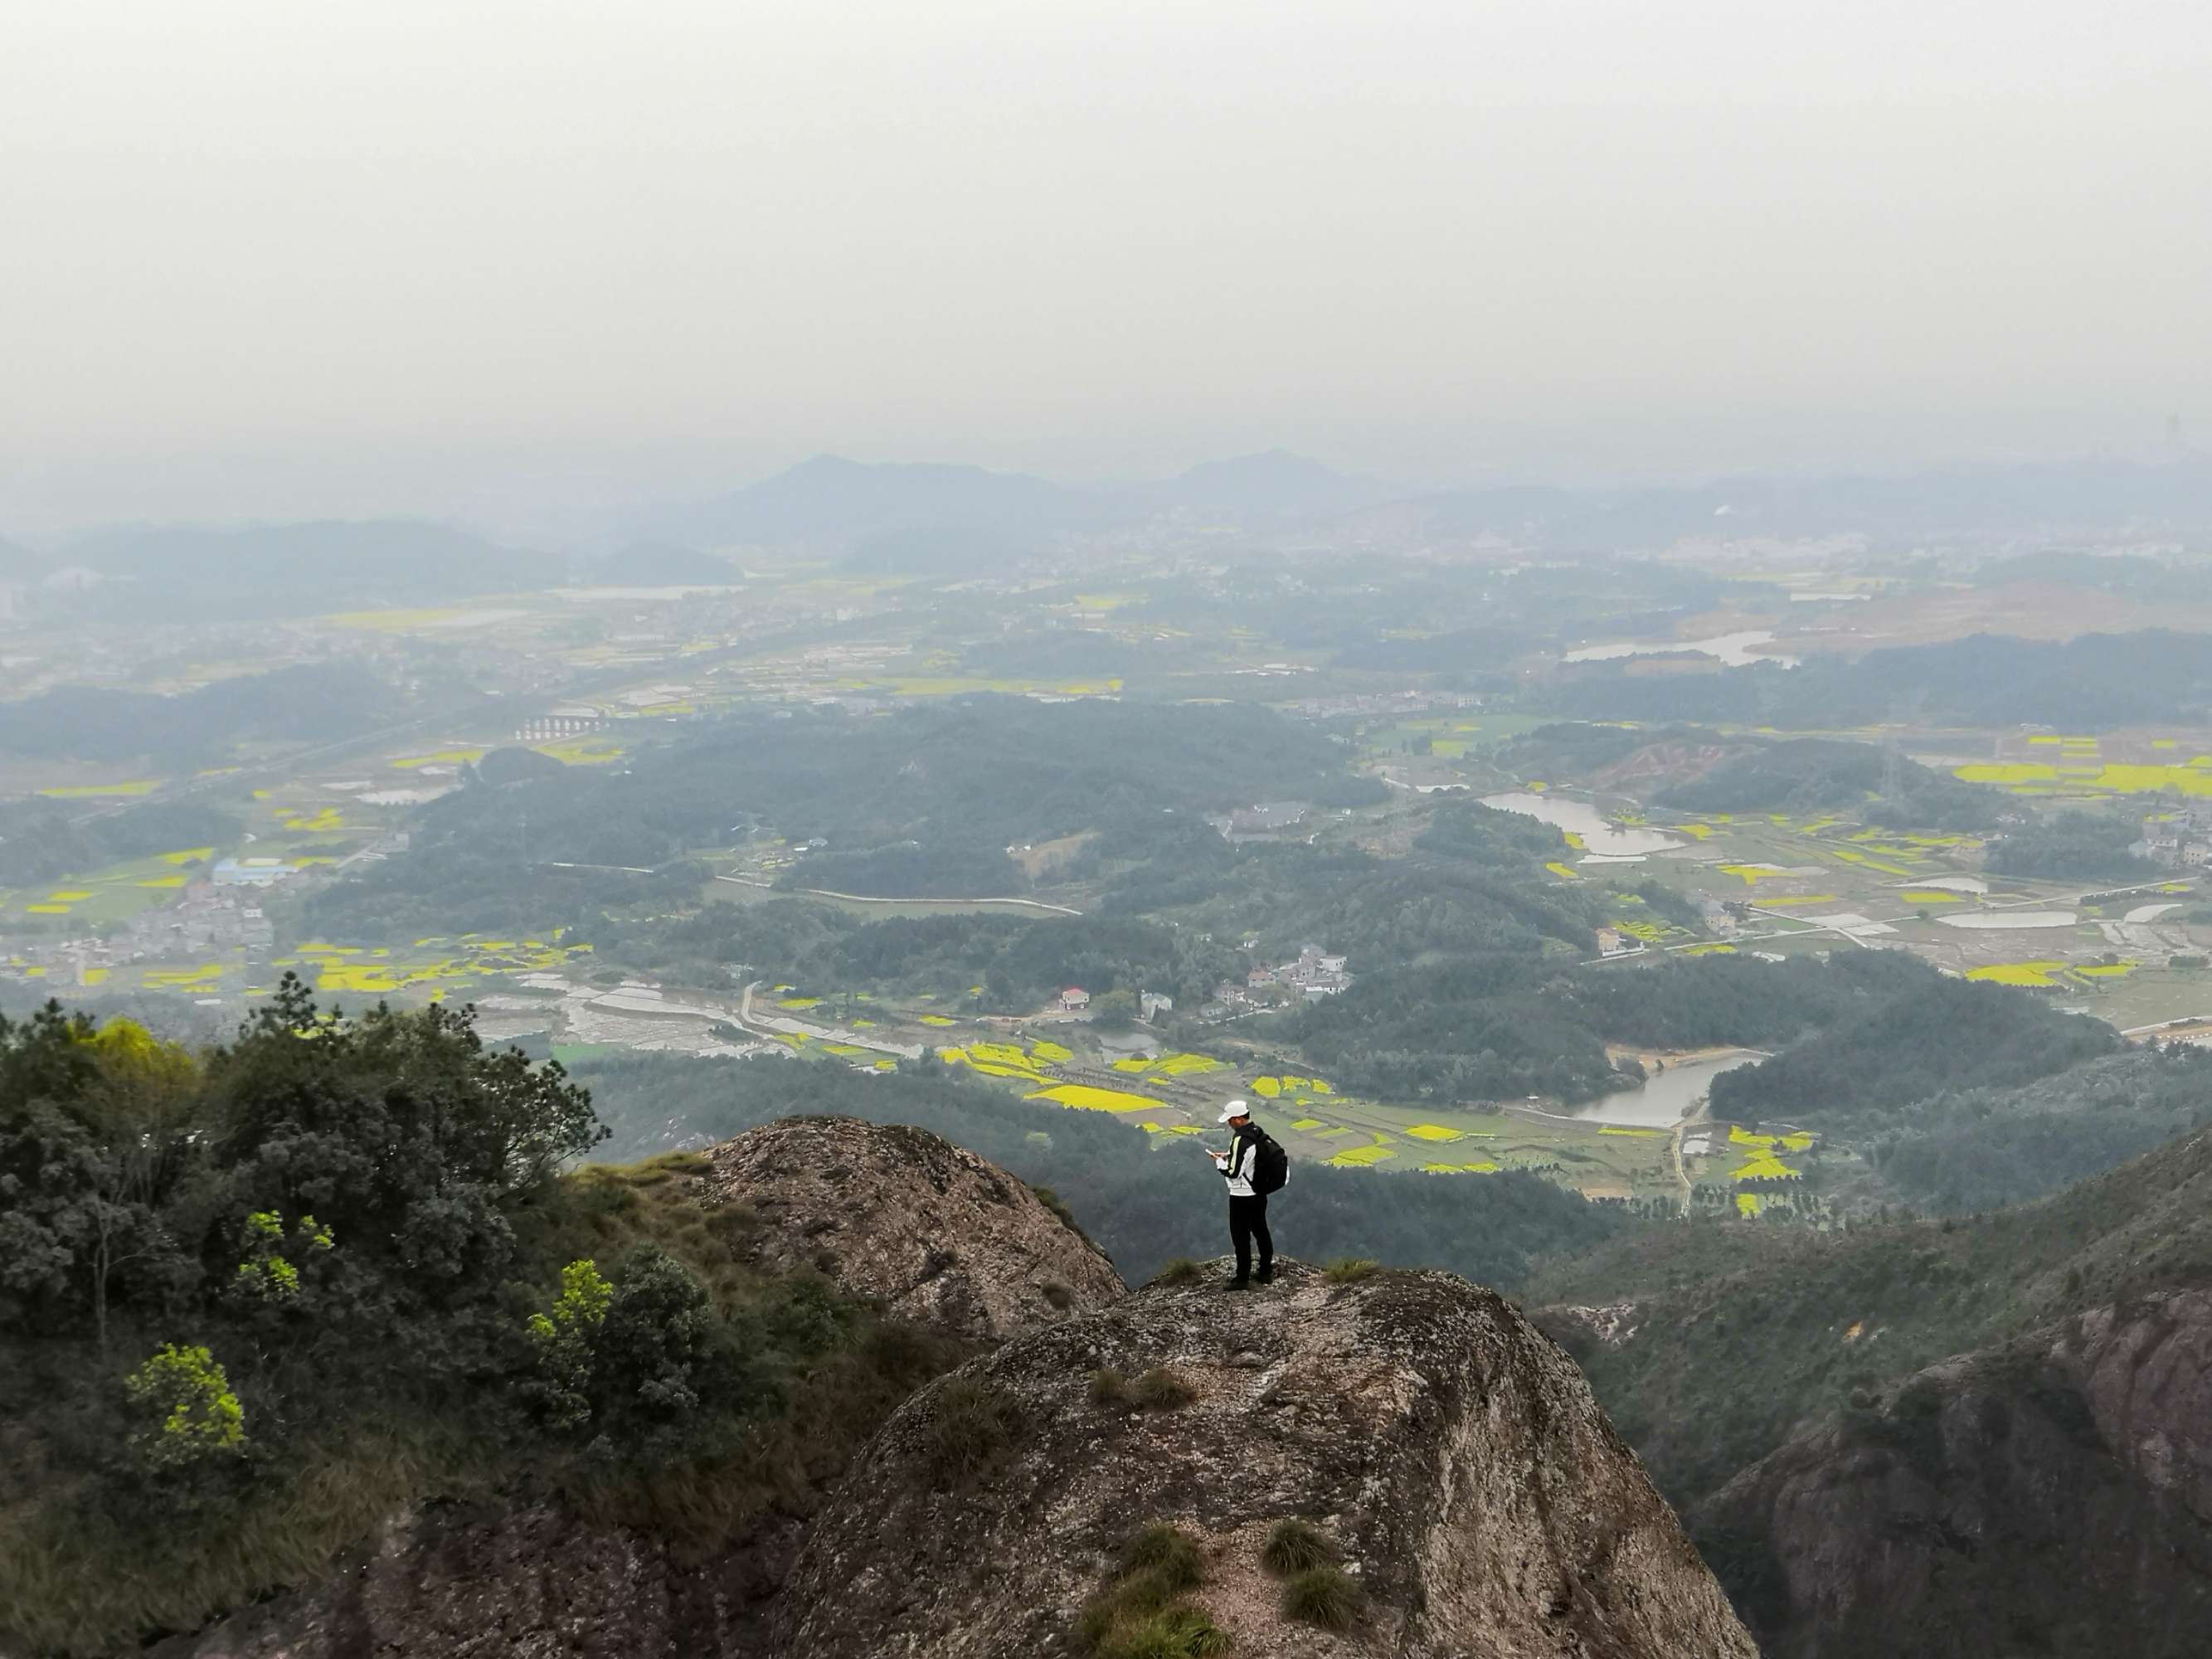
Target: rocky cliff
x,y
933,1233
1452,1459
2053,1495
1464,1493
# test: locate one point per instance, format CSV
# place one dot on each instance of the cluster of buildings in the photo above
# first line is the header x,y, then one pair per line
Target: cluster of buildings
x,y
2179,840
1318,972
206,921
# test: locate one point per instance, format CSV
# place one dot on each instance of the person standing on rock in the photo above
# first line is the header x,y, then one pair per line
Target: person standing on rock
x,y
1254,1166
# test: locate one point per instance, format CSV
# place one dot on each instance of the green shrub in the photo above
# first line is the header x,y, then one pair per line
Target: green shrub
x,y
565,1343
971,1427
1350,1269
1181,1271
1161,1389
187,1414
1294,1546
662,1350
1325,1596
1108,1387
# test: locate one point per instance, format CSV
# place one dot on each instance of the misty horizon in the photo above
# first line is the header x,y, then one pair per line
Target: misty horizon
x,y
410,261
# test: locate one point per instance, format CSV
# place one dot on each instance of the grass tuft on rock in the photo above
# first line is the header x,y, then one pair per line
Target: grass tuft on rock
x,y
1327,1597
1350,1269
971,1429
1160,1389
1181,1271
1166,1549
1181,1632
1108,1387
1141,1613
1294,1546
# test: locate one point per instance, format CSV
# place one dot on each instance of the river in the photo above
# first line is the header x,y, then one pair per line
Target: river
x,y
1664,1098
1609,839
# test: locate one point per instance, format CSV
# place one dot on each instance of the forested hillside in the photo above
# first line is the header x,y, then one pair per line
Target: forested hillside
x,y
1742,1331
197,728
2094,682
1930,1034
39,841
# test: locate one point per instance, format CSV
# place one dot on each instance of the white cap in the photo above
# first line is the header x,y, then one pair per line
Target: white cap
x,y
1235,1109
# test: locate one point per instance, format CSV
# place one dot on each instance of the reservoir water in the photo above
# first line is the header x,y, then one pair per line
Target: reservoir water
x,y
1586,821
1738,650
1665,1096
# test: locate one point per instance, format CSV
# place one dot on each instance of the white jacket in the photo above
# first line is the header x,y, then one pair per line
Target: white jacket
x,y
1237,1169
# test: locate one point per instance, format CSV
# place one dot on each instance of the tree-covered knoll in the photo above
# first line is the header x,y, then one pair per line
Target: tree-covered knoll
x,y
1499,1025
2073,847
1018,961
1808,775
197,728
40,842
1477,886
462,886
923,802
1575,749
1483,835
1935,1034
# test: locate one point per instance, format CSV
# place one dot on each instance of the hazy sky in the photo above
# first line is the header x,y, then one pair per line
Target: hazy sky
x,y
264,257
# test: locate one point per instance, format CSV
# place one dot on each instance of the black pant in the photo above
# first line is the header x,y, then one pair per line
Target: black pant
x,y
1247,1220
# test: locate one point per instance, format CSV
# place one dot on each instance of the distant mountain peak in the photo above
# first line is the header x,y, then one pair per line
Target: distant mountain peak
x,y
1276,483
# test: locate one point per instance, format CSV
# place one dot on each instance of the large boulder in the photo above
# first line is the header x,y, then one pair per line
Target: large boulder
x,y
2053,1495
1453,1458
937,1235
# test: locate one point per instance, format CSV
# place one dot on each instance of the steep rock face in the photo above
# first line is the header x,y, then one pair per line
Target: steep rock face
x,y
936,1234
1455,1458
2054,1496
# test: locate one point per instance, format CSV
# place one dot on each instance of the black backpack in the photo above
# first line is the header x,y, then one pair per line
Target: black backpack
x,y
1270,1164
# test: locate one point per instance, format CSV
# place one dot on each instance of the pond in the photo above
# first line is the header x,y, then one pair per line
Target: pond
x,y
1665,1097
1607,840
1736,650
2011,919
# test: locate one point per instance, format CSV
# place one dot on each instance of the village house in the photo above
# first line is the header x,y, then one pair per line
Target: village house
x,y
1074,999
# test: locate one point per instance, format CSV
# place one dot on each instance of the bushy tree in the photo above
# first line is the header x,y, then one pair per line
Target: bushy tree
x,y
95,1137
663,1349
187,1413
565,1342
399,1130
632,1356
